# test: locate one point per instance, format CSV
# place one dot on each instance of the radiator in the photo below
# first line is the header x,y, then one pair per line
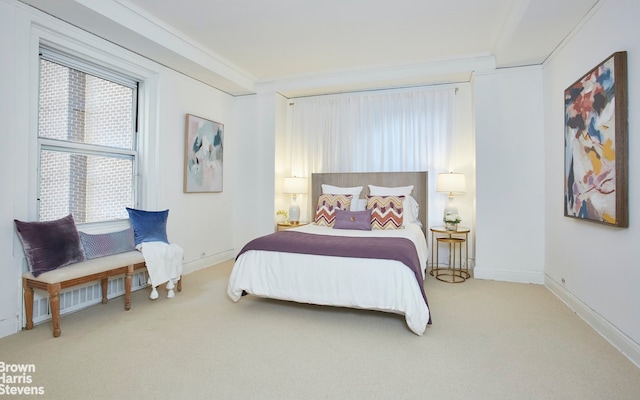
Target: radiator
x,y
79,297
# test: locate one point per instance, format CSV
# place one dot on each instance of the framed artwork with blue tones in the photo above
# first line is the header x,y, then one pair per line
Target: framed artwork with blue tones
x,y
203,155
596,148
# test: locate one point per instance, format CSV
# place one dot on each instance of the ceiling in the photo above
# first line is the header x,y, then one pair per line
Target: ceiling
x,y
307,47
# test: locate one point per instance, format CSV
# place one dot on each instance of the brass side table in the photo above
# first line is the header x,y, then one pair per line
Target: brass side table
x,y
283,226
455,239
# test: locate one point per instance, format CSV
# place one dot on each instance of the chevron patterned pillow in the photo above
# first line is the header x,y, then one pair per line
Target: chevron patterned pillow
x,y
327,206
386,211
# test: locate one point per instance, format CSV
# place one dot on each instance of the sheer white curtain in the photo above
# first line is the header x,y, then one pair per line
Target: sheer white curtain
x,y
392,130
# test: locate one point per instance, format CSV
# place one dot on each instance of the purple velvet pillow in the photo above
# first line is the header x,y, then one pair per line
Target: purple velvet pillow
x,y
50,244
359,220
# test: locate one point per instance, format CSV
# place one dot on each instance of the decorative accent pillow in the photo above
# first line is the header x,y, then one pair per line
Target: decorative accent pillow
x,y
327,206
50,244
359,220
106,244
148,226
353,191
386,211
410,206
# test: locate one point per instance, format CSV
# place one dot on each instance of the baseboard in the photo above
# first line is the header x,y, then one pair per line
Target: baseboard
x,y
508,275
206,262
613,335
9,326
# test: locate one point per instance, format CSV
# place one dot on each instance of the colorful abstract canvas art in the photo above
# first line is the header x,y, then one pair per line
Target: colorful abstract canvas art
x,y
203,155
596,144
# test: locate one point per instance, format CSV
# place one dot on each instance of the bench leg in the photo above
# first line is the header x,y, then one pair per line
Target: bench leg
x,y
128,278
54,304
28,303
180,284
104,283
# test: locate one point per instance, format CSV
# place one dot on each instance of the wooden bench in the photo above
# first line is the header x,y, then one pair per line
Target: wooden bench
x,y
100,268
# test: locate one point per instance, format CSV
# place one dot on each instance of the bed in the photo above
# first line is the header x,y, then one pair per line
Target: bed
x,y
320,264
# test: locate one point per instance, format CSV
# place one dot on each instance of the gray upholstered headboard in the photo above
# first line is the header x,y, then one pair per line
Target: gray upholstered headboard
x,y
419,180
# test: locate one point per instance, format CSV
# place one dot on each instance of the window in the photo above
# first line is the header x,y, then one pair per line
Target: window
x,y
87,141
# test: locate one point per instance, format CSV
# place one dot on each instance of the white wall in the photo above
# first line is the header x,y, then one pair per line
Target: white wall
x,y
10,284
509,175
600,265
257,118
200,223
464,161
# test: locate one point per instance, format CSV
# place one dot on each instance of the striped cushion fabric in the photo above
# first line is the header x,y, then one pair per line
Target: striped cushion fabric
x,y
327,206
386,211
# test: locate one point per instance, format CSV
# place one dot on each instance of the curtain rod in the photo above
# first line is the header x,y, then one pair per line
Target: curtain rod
x,y
373,90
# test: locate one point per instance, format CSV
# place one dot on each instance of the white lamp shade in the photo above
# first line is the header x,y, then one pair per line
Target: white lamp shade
x,y
451,183
295,185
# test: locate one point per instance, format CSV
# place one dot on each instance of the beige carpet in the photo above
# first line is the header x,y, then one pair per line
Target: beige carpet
x,y
489,340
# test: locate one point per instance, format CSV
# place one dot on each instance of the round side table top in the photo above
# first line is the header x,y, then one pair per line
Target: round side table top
x,y
443,229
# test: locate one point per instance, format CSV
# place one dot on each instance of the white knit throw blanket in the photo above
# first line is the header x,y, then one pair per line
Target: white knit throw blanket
x,y
164,261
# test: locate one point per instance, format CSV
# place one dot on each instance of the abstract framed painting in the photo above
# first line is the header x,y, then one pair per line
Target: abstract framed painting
x,y
596,144
203,155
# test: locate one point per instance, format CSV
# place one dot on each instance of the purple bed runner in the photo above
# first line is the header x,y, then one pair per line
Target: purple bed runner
x,y
398,249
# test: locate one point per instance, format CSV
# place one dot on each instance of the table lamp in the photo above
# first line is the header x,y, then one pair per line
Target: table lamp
x,y
451,183
295,186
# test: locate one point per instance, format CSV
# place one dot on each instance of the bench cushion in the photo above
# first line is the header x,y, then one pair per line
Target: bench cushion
x,y
89,267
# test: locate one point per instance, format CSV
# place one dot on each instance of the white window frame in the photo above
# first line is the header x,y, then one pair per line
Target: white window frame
x,y
72,42
55,145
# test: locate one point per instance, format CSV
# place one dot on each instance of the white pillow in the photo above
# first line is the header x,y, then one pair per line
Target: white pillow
x,y
410,205
390,191
354,191
411,211
359,205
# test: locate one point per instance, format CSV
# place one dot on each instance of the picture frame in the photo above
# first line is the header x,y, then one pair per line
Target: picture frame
x,y
596,144
203,155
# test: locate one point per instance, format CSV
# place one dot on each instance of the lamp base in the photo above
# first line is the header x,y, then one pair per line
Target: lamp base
x,y
294,214
450,208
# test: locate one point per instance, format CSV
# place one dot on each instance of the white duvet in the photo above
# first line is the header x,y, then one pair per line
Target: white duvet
x,y
384,285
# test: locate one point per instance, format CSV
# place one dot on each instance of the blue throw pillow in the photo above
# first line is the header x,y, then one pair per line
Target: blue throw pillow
x,y
148,226
50,244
